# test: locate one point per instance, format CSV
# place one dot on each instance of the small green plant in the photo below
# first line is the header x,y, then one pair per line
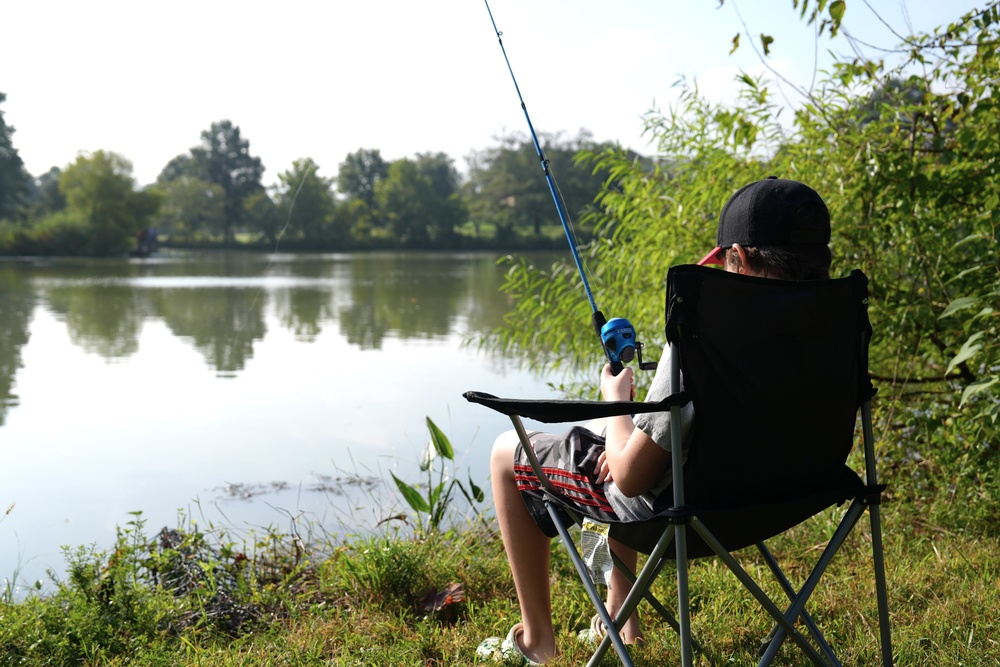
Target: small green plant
x,y
392,571
7,593
434,501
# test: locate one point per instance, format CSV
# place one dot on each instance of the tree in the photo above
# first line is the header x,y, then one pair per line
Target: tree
x,y
305,202
440,170
223,158
13,178
190,206
406,200
359,220
360,172
507,183
178,167
49,197
262,216
100,191
414,210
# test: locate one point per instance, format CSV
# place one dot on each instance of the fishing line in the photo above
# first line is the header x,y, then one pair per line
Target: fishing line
x,y
291,207
238,332
617,335
549,178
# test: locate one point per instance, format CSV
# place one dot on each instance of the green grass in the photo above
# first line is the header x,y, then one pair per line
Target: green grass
x,y
185,597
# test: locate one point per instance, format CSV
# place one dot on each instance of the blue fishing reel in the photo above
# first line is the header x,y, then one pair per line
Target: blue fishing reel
x,y
618,338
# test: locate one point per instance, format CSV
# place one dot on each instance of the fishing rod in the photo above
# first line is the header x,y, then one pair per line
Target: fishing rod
x,y
617,334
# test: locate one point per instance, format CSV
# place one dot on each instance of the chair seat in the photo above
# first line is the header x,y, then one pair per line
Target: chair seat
x,y
742,526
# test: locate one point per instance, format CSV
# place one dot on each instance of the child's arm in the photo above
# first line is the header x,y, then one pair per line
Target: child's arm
x,y
631,458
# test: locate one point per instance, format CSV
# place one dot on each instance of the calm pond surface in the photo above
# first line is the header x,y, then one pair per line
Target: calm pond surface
x,y
238,390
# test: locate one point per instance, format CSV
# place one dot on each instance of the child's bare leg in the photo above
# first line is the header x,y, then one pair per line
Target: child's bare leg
x,y
620,586
527,552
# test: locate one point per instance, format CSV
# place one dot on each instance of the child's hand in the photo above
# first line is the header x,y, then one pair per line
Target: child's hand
x,y
603,471
617,387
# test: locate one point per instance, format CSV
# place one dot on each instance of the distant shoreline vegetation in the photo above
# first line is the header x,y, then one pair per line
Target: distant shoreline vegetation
x,y
213,197
25,246
551,238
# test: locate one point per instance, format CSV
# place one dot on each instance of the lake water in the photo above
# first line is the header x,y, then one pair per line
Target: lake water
x,y
238,390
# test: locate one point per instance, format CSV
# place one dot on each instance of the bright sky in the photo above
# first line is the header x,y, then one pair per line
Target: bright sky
x,y
323,78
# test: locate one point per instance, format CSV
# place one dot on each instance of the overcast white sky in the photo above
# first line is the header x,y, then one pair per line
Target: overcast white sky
x,y
323,78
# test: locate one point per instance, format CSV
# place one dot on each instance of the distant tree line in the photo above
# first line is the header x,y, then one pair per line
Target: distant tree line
x,y
213,196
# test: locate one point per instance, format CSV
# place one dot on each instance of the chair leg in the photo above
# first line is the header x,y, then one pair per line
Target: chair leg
x,y
592,592
641,584
792,594
881,593
844,529
683,596
657,606
783,621
878,558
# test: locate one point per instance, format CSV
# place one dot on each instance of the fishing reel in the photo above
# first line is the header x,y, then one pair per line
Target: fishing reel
x,y
618,337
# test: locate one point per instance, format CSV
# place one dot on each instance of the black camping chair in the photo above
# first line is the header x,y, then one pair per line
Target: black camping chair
x,y
777,372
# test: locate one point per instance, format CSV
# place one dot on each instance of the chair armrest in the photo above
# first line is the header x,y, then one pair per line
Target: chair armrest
x,y
556,411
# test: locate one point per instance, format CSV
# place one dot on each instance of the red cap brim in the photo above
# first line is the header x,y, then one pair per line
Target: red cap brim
x,y
712,258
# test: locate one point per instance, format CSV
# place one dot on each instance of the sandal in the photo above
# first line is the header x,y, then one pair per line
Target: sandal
x,y
506,650
595,633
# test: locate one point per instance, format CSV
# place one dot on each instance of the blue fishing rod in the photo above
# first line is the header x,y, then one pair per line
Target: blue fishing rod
x,y
617,334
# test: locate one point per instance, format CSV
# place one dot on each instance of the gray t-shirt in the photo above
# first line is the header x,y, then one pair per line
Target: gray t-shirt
x,y
657,426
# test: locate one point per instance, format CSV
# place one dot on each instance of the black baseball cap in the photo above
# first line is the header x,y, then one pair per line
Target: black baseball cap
x,y
774,211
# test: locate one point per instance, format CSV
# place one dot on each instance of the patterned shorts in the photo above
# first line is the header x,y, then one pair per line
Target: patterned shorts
x,y
570,463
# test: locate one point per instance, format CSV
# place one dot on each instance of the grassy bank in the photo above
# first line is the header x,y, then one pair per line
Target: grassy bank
x,y
181,596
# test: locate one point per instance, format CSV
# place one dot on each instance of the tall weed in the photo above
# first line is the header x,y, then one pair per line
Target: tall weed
x,y
435,497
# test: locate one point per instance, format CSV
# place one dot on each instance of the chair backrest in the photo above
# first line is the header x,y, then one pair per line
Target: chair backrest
x,y
776,370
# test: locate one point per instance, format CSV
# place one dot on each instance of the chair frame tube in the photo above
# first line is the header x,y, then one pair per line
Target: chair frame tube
x,y
680,529
878,555
779,576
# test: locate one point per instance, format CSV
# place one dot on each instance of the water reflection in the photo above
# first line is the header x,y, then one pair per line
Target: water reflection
x,y
218,302
221,323
105,320
16,303
387,297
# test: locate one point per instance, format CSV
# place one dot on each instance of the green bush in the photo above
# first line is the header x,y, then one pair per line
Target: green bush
x,y
59,234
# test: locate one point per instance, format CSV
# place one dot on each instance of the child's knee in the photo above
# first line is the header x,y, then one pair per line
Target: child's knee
x,y
502,457
506,441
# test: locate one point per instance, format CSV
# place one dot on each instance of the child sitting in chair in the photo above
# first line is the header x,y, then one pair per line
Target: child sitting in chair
x,y
612,470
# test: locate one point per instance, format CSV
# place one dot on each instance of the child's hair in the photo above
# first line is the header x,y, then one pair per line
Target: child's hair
x,y
790,262
795,261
